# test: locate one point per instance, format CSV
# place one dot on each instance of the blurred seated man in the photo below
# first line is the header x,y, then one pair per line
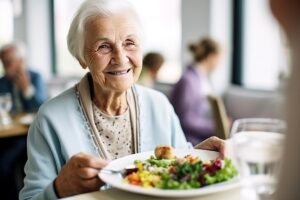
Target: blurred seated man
x,y
25,86
27,90
152,62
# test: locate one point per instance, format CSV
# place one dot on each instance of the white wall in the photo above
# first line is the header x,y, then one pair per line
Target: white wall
x,y
38,36
221,30
195,24
202,18
32,28
19,23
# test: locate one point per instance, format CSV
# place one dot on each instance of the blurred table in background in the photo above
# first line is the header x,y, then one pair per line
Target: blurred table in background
x,y
13,154
19,126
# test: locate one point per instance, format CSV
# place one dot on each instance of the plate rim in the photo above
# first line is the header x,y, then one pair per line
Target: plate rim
x,y
219,187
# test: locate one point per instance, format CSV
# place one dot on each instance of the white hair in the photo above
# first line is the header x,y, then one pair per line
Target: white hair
x,y
87,10
18,46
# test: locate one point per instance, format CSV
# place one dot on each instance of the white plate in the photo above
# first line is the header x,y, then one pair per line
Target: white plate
x,y
27,119
116,180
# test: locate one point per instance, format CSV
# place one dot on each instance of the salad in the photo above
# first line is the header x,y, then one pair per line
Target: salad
x,y
165,171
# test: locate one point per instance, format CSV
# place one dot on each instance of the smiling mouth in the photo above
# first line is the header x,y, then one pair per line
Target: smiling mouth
x,y
117,73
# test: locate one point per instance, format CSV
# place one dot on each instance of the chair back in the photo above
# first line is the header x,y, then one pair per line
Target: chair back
x,y
220,116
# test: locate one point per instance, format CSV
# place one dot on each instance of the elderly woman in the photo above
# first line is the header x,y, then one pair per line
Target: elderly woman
x,y
105,116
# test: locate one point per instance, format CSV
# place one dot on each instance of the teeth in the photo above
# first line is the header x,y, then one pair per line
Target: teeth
x,y
119,73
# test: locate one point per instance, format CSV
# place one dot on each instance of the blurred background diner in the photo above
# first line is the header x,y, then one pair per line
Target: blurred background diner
x,y
21,90
25,86
190,95
249,77
152,63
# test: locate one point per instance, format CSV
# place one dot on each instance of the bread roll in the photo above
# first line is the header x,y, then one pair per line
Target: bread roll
x,y
164,152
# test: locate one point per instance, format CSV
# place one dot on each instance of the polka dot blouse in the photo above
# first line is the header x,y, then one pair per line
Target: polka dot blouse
x,y
115,132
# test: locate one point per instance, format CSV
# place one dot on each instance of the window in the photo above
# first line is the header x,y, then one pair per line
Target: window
x,y
264,56
64,11
161,22
6,24
162,33
6,21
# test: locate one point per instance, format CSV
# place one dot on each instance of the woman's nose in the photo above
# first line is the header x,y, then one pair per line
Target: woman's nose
x,y
119,57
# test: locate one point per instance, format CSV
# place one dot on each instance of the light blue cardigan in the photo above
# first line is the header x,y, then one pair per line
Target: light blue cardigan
x,y
60,131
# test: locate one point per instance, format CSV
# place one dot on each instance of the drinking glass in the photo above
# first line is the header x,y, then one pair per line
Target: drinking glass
x,y
257,150
5,107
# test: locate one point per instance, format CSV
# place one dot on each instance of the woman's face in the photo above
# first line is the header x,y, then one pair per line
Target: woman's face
x,y
213,61
11,62
113,52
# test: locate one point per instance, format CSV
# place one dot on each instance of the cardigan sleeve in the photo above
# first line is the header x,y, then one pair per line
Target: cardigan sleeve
x,y
178,138
41,168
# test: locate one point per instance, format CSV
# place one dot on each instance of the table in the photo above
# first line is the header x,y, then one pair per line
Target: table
x,y
16,128
13,154
115,194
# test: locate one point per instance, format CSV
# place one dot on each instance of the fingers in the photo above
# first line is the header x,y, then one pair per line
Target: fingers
x,y
221,148
87,166
92,184
21,74
79,175
213,144
84,160
87,173
218,144
22,80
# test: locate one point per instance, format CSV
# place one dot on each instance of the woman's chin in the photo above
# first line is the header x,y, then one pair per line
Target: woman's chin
x,y
121,86
121,83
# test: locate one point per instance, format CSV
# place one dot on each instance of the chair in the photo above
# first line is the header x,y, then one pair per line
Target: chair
x,y
220,116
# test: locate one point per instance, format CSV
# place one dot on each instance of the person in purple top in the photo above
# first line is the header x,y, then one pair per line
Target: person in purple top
x,y
189,95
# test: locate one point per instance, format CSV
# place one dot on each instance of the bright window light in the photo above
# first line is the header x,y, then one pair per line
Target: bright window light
x,y
6,24
263,47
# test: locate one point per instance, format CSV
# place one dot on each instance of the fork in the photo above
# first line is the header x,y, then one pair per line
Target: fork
x,y
113,171
123,172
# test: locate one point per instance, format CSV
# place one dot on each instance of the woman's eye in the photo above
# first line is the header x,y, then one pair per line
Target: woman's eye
x,y
130,45
104,48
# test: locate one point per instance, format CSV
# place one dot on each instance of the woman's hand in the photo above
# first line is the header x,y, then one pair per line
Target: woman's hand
x,y
79,175
214,144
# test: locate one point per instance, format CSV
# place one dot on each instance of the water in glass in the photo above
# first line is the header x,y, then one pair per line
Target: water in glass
x,y
5,107
258,152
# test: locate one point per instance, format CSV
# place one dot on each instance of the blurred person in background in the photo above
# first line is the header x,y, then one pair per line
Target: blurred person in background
x,y
288,15
25,86
189,95
152,62
106,115
27,90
